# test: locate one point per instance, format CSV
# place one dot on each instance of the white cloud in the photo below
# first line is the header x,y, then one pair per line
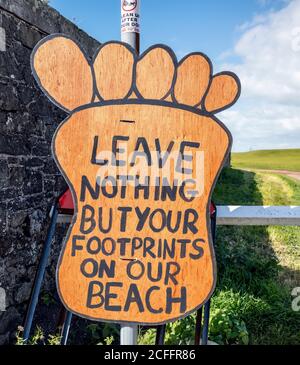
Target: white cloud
x,y
268,113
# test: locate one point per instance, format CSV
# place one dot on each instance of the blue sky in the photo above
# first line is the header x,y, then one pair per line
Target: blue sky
x,y
257,39
211,26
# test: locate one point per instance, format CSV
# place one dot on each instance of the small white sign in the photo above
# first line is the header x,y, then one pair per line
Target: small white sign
x,y
130,16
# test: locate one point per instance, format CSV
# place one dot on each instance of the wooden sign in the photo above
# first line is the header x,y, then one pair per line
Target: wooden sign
x,y
141,151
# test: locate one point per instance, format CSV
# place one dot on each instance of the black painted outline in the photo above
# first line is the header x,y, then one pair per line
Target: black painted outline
x,y
140,101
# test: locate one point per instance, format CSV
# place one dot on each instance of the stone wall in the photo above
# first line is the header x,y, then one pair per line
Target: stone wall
x,y
29,179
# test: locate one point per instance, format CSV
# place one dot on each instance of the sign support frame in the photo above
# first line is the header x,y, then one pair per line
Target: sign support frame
x,y
129,332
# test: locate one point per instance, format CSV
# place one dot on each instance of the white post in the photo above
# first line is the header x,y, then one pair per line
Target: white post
x,y
130,33
130,23
128,334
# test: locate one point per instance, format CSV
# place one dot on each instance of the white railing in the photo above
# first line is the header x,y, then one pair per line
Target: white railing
x,y
258,216
246,216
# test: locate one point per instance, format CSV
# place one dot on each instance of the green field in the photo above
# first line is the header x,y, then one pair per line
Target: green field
x,y
257,269
268,160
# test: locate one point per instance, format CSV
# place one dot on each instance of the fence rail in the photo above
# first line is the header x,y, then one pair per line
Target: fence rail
x,y
258,216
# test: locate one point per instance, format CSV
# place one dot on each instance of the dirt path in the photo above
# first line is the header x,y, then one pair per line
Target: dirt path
x,y
293,174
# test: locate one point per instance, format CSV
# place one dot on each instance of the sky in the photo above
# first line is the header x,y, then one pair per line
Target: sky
x,y
257,39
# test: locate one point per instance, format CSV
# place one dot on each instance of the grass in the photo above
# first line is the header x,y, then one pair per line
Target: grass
x,y
268,159
257,269
260,264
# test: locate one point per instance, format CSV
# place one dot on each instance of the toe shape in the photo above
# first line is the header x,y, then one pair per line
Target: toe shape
x,y
113,69
193,77
223,93
63,73
155,73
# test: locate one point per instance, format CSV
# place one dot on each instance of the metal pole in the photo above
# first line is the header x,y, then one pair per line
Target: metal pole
x,y
198,326
133,39
207,305
66,329
128,334
160,335
130,23
205,324
130,34
40,274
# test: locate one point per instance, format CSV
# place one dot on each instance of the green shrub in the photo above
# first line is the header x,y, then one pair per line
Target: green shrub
x,y
226,328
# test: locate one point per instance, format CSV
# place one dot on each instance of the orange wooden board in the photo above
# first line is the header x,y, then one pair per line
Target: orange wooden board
x,y
141,153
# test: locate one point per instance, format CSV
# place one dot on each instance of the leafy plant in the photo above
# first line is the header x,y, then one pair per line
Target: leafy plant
x,y
227,328
54,340
107,341
177,333
102,334
38,338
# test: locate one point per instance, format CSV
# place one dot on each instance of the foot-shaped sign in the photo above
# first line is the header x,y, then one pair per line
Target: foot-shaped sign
x,y
141,151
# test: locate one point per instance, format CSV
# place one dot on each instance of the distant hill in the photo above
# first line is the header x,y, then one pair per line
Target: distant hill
x,y
288,159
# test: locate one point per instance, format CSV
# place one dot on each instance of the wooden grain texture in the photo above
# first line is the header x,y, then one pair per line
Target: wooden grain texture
x,y
193,77
222,93
125,101
155,73
196,275
63,72
113,71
